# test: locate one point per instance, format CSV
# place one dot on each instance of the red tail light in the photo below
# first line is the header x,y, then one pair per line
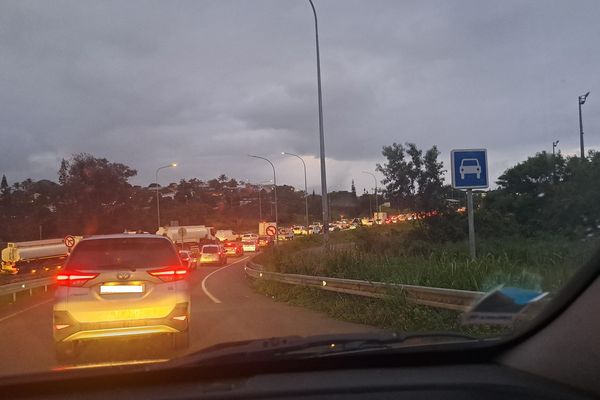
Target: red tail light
x,y
74,278
170,274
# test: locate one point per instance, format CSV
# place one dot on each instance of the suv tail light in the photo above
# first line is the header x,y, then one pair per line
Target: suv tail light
x,y
74,278
170,274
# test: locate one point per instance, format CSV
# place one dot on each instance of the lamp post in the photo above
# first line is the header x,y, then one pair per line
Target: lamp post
x,y
260,186
321,134
582,100
172,165
305,184
275,193
554,144
375,179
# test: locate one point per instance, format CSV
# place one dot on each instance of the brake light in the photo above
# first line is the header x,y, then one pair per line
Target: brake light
x,y
170,274
74,278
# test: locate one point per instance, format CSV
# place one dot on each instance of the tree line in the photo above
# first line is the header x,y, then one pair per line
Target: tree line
x,y
94,196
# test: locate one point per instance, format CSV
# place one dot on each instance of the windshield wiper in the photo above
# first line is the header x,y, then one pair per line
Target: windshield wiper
x,y
314,346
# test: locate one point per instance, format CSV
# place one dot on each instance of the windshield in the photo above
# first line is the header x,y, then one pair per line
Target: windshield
x,y
436,170
119,253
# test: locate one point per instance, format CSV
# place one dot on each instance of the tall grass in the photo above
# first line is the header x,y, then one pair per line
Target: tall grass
x,y
388,256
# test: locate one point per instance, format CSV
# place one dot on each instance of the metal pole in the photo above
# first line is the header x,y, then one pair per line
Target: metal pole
x,y
157,201
305,184
554,144
321,134
581,131
375,179
581,102
275,193
157,195
471,224
259,205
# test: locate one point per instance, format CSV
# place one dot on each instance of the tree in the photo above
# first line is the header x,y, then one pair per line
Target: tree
x,y
94,193
412,180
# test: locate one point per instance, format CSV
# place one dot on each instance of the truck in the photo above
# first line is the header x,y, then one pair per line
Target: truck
x,y
24,257
189,237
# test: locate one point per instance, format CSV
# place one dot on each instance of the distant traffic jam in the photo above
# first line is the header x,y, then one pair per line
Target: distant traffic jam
x,y
39,256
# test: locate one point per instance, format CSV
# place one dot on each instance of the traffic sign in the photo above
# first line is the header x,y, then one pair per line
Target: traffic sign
x,y
469,169
69,241
271,230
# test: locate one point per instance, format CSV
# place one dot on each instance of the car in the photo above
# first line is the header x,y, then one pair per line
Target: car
x,y
188,259
120,286
265,241
249,236
235,249
213,254
298,230
470,166
250,245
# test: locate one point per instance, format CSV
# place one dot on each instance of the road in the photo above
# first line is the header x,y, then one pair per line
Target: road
x,y
224,308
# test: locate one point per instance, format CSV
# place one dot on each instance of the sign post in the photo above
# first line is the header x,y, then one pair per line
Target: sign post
x,y
470,171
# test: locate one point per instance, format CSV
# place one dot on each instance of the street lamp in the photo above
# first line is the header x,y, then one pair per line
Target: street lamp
x,y
321,134
305,185
375,179
582,102
172,165
260,186
554,144
275,192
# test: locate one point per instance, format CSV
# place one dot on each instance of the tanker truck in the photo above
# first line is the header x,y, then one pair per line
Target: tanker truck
x,y
37,254
189,237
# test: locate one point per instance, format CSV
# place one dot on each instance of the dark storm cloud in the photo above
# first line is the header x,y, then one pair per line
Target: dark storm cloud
x,y
205,83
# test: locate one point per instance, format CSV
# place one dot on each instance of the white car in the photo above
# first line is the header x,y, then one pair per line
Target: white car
x,y
250,245
120,286
213,254
249,236
470,166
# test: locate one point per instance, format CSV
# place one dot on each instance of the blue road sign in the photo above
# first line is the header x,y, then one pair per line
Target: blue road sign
x,y
469,169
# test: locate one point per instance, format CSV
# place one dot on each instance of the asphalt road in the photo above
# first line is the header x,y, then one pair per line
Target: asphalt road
x,y
224,308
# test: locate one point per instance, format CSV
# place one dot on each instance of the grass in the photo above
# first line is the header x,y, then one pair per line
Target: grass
x,y
382,313
536,263
388,254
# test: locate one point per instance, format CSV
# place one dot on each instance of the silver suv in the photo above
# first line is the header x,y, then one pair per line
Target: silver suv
x,y
121,286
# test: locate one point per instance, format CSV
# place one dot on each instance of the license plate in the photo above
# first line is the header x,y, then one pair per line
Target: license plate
x,y
110,289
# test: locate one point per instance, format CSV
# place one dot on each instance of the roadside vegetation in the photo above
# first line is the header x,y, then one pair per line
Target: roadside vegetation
x,y
534,230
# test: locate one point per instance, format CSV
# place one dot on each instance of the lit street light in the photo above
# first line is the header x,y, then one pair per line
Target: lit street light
x,y
375,179
275,192
172,165
582,100
305,185
321,134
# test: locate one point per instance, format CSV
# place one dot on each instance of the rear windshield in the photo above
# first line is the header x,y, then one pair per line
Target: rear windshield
x,y
470,162
230,245
249,242
122,253
210,249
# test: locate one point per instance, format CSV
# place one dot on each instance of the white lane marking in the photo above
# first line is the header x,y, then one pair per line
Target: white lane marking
x,y
24,310
205,290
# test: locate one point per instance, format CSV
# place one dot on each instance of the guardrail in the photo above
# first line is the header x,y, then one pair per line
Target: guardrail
x,y
449,299
28,285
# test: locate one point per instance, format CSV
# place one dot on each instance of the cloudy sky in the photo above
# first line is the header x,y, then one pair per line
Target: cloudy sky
x,y
203,83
